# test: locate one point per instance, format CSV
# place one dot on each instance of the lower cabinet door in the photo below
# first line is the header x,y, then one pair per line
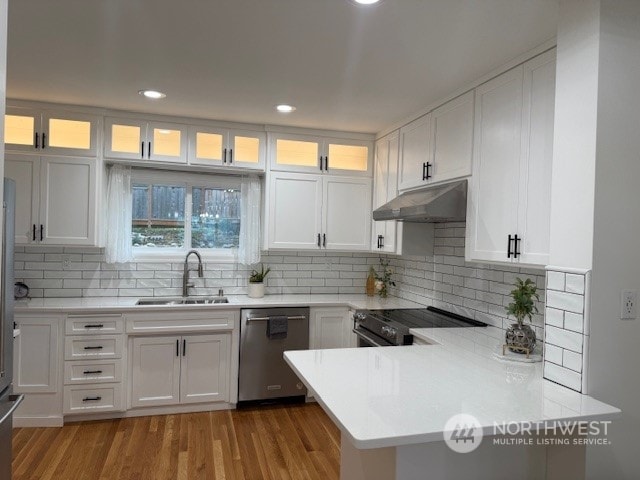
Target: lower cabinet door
x,y
204,373
155,371
330,328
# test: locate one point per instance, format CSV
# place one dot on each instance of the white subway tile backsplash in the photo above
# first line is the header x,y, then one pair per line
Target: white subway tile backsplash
x,y
554,317
563,376
563,338
575,283
572,360
574,322
553,354
570,302
555,281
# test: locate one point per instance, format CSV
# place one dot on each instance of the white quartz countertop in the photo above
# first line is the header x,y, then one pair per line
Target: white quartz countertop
x,y
235,301
393,396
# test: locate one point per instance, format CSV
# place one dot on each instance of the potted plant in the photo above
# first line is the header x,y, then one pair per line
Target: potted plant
x,y
256,282
521,338
383,280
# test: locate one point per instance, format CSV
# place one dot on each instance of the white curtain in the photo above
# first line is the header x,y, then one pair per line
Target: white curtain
x,y
118,212
249,248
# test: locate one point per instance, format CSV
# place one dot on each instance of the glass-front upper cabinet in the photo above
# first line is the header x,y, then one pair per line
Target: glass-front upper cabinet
x,y
230,148
306,153
135,139
50,131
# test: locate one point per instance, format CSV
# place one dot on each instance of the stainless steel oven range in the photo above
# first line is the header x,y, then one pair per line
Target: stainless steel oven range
x,y
390,328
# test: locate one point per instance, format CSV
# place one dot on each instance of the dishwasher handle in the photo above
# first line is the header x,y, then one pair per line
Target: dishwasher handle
x,y
264,319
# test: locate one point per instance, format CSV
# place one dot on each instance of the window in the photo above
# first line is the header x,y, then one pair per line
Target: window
x,y
199,211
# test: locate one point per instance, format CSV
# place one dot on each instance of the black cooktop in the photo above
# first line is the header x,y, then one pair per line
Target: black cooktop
x,y
430,317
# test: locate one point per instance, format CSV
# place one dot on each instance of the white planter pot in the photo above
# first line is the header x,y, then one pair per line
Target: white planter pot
x,y
256,290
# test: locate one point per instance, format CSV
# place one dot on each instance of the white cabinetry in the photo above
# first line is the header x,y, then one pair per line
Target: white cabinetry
x,y
139,139
312,154
56,201
318,212
331,328
385,189
37,365
186,369
51,132
437,146
508,203
93,367
220,147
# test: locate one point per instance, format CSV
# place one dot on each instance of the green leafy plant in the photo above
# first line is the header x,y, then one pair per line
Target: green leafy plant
x,y
259,276
383,279
523,305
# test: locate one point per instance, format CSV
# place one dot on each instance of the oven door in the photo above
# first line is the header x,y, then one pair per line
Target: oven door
x,y
368,339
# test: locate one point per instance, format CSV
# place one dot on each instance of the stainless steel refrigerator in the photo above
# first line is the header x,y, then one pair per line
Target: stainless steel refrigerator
x,y
8,401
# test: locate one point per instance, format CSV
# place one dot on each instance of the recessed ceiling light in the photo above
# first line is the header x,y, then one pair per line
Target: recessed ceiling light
x,y
366,2
285,108
153,94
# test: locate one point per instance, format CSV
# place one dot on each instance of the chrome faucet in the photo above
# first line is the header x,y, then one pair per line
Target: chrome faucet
x,y
185,275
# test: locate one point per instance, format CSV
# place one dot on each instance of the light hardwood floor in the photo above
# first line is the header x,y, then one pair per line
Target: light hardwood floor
x,y
284,442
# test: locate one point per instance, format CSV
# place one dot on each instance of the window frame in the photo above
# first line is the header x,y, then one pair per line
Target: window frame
x,y
189,181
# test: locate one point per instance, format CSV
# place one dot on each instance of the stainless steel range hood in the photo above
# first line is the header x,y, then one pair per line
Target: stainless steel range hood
x,y
440,203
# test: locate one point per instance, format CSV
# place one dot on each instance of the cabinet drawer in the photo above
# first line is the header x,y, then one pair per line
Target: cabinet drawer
x,y
94,347
94,324
92,399
182,322
80,372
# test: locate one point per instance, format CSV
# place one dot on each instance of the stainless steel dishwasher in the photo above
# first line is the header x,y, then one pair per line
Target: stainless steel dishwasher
x,y
264,375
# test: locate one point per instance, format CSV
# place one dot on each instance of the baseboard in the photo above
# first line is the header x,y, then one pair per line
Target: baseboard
x,y
147,411
31,422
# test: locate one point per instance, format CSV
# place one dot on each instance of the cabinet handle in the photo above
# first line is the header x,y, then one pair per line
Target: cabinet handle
x,y
97,347
148,149
41,232
44,140
509,247
324,240
36,141
184,347
380,241
92,372
91,399
320,162
230,155
224,156
94,325
424,171
319,241
428,172
178,348
34,232
326,163
516,242
141,149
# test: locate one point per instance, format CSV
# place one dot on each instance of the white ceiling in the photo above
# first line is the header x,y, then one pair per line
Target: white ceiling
x,y
345,67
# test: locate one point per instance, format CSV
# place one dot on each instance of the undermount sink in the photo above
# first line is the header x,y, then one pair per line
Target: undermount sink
x,y
182,301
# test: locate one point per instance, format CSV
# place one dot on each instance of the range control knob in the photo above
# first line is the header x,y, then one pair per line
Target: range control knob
x,y
389,331
360,316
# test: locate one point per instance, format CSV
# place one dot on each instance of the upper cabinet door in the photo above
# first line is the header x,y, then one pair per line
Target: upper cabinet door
x,y
492,204
25,171
346,204
385,188
350,157
295,153
247,149
51,132
125,138
207,146
452,138
167,142
67,133
67,215
537,156
415,153
295,211
20,128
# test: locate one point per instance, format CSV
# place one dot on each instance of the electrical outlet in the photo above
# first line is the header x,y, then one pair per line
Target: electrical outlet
x,y
66,262
629,305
